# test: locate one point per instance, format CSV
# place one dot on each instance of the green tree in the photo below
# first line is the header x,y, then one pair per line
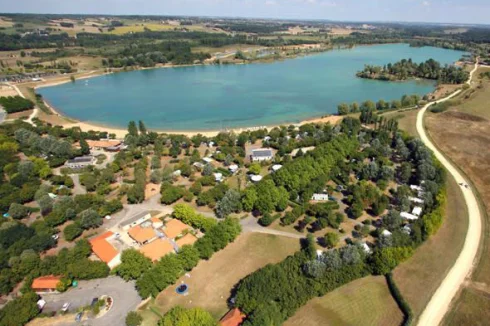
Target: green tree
x,y
133,319
343,109
230,203
133,265
331,239
179,316
132,129
85,149
254,168
72,231
17,211
142,127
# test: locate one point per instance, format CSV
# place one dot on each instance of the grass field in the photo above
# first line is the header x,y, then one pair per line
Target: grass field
x,y
406,120
420,276
463,133
472,309
211,281
367,301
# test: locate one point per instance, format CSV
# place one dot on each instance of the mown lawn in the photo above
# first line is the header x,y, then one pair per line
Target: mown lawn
x,y
211,281
366,301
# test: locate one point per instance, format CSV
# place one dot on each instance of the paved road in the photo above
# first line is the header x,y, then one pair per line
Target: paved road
x,y
440,302
123,293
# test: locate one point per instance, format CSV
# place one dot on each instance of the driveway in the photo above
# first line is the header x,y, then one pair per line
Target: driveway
x,y
440,302
123,293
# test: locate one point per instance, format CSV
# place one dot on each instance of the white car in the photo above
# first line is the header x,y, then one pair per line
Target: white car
x,y
65,307
108,217
55,236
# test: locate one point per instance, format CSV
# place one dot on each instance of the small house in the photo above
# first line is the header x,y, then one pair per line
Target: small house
x,y
174,228
104,250
218,177
207,160
416,200
417,211
276,167
135,220
319,197
262,154
45,284
408,216
386,233
255,178
80,162
157,249
233,168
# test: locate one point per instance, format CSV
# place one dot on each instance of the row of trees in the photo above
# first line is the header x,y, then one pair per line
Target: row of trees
x,y
405,101
404,69
12,104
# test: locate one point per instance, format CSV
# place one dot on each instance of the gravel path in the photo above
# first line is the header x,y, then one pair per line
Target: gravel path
x,y
440,302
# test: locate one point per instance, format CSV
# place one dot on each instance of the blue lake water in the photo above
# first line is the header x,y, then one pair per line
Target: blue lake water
x,y
214,97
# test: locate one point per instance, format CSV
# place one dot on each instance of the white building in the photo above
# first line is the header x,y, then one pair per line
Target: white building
x,y
233,168
262,154
366,248
386,233
408,216
80,162
218,177
416,200
255,178
276,167
417,210
319,197
207,160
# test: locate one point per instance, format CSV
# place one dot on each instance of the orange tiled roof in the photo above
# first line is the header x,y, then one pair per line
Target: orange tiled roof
x,y
103,249
187,239
157,249
174,227
45,282
234,317
141,234
155,220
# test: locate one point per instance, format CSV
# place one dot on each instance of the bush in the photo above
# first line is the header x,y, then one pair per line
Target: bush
x,y
18,211
267,219
133,319
170,193
402,303
72,231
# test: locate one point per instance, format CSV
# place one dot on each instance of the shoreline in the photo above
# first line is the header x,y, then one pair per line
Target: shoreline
x,y
121,132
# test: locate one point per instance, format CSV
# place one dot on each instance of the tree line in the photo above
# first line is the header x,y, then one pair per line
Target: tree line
x,y
12,104
405,69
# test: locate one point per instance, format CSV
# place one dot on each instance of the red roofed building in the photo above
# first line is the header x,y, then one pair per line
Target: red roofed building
x,y
234,317
104,250
45,284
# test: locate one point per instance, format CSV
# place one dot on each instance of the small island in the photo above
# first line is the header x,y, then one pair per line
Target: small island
x,y
407,69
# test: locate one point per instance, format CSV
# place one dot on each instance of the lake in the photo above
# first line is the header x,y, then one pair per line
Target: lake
x,y
219,96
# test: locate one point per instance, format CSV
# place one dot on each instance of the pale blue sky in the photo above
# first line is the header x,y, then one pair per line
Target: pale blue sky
x,y
450,11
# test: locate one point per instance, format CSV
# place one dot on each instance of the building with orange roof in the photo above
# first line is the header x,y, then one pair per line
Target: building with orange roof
x,y
45,284
187,239
103,144
234,317
174,228
104,250
142,234
157,249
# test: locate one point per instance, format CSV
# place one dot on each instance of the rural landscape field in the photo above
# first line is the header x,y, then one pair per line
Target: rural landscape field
x,y
235,164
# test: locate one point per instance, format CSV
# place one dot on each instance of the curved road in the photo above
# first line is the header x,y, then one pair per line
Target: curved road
x,y
440,302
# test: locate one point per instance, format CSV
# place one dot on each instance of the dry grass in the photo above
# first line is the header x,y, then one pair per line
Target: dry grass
x,y
471,309
420,276
366,301
406,120
211,281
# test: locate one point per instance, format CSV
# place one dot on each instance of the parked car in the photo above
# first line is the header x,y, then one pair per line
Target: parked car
x,y
55,236
79,316
65,307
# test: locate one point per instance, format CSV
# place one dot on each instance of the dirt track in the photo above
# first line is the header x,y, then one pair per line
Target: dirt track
x,y
440,302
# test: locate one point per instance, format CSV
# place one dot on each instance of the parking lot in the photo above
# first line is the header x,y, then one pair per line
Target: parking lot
x,y
124,295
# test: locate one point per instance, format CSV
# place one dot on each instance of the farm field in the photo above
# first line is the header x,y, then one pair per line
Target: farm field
x,y
366,301
463,133
211,281
470,309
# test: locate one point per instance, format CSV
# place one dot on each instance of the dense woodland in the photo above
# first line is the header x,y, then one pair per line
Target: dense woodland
x,y
405,69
